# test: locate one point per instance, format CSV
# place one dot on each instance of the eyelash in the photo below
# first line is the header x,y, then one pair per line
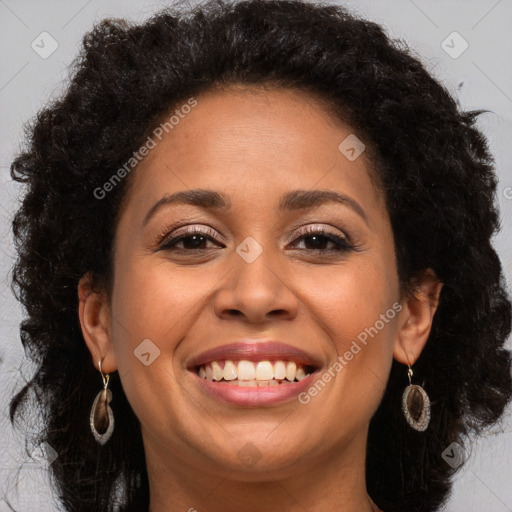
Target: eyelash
x,y
342,244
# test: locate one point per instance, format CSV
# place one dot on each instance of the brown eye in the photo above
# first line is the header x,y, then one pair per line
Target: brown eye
x,y
192,240
189,242
319,240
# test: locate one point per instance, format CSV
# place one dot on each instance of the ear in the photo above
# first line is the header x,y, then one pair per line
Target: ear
x,y
415,318
94,313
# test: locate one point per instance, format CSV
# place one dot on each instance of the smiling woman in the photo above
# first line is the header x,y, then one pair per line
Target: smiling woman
x,y
291,302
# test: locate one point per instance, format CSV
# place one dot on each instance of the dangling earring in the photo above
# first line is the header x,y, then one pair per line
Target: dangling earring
x,y
102,418
416,405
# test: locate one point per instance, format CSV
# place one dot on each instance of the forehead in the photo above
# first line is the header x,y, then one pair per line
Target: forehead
x,y
253,142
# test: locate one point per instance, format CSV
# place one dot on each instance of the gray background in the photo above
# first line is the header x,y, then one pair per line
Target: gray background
x,y
481,77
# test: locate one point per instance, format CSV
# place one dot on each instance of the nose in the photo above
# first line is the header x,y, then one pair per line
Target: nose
x,y
256,291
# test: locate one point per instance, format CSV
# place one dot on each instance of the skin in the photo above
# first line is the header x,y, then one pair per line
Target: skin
x,y
254,145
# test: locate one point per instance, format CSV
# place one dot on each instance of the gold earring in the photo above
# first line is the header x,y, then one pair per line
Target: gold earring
x,y
102,417
416,405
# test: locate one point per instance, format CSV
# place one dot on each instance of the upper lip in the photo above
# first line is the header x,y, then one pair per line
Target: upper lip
x,y
256,351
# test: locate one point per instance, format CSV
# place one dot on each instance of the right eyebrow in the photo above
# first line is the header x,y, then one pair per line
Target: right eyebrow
x,y
196,197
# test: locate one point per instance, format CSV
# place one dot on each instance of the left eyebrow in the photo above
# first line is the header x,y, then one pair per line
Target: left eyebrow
x,y
303,199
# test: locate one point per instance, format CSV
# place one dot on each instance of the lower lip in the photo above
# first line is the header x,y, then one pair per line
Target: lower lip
x,y
254,396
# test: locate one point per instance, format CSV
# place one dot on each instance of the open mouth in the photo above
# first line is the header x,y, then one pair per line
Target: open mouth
x,y
244,373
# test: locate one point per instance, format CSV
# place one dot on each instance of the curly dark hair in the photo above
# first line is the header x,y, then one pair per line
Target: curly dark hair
x,y
431,161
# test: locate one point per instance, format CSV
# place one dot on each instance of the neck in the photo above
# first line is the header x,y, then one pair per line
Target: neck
x,y
331,483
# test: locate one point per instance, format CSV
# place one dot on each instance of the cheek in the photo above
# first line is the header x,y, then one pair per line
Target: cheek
x,y
153,308
145,307
352,305
159,301
156,298
350,298
357,307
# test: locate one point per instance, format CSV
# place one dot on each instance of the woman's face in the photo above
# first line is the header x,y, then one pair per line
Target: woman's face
x,y
249,274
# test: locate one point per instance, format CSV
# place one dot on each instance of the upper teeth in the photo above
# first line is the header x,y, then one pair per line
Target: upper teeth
x,y
248,370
